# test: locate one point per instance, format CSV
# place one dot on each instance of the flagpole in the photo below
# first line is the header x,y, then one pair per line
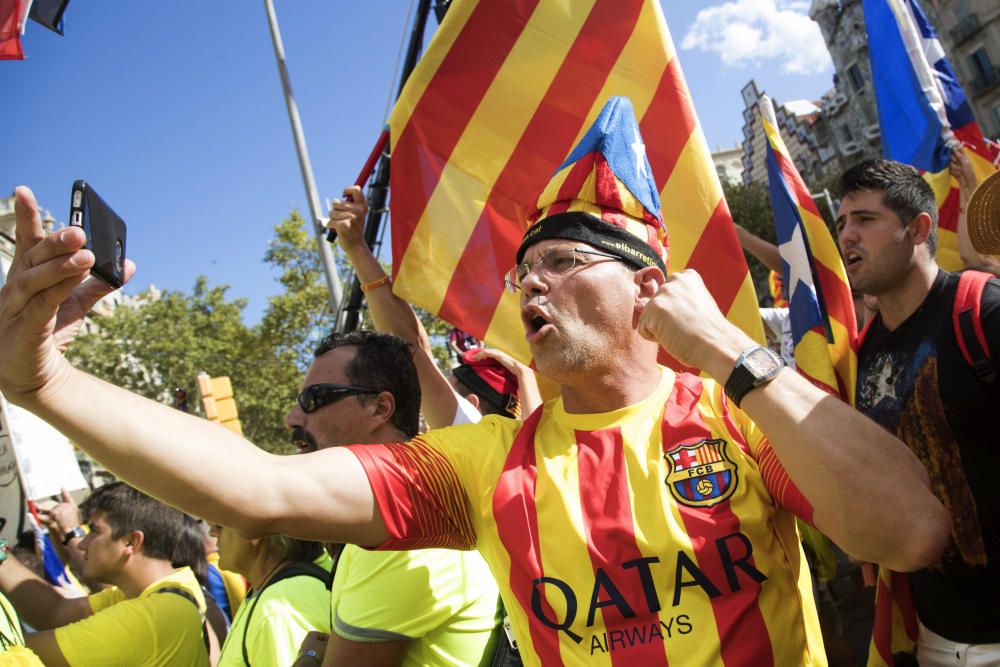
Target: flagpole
x,y
380,185
319,229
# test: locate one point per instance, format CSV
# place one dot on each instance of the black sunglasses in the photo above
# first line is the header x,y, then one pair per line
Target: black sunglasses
x,y
315,396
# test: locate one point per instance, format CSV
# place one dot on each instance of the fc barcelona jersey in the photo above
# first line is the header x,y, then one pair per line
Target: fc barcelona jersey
x,y
650,535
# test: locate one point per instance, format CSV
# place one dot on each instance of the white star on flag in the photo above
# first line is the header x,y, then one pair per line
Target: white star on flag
x,y
639,149
793,251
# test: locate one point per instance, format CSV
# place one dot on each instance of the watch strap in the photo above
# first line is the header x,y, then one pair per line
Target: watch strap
x,y
76,532
740,382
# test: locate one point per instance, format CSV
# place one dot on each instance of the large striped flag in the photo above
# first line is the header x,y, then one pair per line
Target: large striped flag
x,y
820,305
923,112
503,93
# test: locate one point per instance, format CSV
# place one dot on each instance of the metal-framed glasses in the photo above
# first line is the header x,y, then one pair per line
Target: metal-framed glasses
x,y
555,262
315,396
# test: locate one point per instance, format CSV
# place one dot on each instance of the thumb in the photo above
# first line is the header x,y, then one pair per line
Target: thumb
x,y
67,498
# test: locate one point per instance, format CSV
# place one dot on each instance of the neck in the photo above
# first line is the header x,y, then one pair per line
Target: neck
x,y
899,303
263,568
140,573
626,381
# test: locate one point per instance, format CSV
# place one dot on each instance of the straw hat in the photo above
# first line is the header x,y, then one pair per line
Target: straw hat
x,y
983,216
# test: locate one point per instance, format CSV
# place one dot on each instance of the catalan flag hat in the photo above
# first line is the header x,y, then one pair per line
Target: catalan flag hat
x,y
488,377
604,194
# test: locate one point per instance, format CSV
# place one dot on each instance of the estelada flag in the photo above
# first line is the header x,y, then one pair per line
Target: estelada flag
x,y
821,309
503,93
922,109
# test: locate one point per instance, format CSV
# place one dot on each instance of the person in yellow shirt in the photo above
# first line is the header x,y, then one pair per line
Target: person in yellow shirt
x,y
153,613
290,596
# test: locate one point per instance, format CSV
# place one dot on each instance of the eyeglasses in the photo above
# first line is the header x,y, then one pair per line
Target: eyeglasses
x,y
315,396
555,262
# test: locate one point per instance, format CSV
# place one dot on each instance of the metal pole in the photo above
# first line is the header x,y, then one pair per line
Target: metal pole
x,y
379,188
325,252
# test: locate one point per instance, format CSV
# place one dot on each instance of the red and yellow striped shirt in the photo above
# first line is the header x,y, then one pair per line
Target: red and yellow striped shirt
x,y
649,535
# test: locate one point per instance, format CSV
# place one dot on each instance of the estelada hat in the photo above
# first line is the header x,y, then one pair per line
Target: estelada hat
x,y
604,194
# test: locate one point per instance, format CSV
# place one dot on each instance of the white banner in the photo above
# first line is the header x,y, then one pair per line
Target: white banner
x,y
46,458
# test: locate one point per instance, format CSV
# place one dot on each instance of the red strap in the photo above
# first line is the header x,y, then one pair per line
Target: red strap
x,y
861,335
968,297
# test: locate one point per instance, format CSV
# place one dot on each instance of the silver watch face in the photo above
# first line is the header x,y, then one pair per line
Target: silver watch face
x,y
762,363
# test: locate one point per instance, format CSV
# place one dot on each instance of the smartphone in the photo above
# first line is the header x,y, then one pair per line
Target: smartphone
x,y
105,232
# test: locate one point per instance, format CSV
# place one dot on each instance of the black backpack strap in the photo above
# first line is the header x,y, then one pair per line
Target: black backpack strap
x,y
968,326
176,590
292,570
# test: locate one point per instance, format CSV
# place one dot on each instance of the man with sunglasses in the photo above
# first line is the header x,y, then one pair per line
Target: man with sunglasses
x,y
433,607
640,518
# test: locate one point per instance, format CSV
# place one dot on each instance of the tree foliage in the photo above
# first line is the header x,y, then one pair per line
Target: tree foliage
x,y
751,209
161,345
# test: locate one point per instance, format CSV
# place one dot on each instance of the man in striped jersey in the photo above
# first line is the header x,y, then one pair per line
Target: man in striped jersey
x,y
642,517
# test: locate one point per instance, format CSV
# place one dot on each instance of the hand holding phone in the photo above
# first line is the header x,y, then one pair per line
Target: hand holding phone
x,y
105,232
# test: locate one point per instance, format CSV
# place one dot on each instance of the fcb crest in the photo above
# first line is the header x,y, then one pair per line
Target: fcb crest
x,y
702,474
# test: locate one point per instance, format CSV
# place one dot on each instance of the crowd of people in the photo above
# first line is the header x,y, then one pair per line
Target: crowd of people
x,y
640,516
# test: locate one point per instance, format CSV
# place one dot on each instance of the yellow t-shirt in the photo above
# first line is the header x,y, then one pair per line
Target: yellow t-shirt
x,y
10,626
660,533
151,630
236,585
286,612
444,600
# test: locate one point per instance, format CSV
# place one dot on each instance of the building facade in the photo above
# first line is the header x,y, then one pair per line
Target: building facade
x,y
729,164
969,32
850,109
803,128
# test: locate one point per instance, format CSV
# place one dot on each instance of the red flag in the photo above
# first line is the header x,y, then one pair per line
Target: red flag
x,y
10,30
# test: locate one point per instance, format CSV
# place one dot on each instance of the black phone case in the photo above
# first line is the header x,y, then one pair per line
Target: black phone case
x,y
105,232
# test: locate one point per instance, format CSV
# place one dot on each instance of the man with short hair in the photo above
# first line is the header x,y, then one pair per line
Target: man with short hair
x,y
429,607
914,380
152,614
642,517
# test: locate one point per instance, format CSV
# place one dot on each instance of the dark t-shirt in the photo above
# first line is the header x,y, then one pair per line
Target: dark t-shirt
x,y
916,383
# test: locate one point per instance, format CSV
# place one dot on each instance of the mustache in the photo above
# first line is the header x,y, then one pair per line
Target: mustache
x,y
300,435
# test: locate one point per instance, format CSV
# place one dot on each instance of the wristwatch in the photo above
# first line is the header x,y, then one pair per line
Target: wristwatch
x,y
755,366
76,532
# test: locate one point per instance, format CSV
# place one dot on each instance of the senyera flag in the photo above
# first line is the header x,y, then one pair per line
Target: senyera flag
x,y
503,93
922,109
821,309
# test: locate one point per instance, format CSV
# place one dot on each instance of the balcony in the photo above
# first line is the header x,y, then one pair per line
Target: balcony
x,y
872,132
986,82
850,148
965,29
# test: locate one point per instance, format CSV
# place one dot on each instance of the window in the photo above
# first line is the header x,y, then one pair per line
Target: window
x,y
981,65
857,80
961,10
845,131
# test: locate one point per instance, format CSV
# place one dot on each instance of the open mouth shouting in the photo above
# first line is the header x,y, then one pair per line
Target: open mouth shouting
x,y
537,323
852,258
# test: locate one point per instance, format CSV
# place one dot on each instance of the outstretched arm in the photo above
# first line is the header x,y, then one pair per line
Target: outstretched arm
x,y
390,313
869,493
185,461
36,600
766,252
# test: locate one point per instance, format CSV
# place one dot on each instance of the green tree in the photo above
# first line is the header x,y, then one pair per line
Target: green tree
x,y
751,209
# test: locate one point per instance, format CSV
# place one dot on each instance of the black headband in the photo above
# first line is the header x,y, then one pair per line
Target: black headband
x,y
589,229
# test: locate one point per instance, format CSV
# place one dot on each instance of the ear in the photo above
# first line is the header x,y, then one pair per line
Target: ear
x,y
920,228
472,398
134,541
383,407
648,281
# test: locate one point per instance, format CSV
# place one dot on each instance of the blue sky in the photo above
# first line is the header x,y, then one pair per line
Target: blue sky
x,y
174,112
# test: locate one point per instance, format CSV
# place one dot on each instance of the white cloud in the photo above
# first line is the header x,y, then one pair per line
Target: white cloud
x,y
747,32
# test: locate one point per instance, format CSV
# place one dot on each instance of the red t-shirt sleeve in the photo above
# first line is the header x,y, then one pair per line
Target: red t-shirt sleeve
x,y
419,494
